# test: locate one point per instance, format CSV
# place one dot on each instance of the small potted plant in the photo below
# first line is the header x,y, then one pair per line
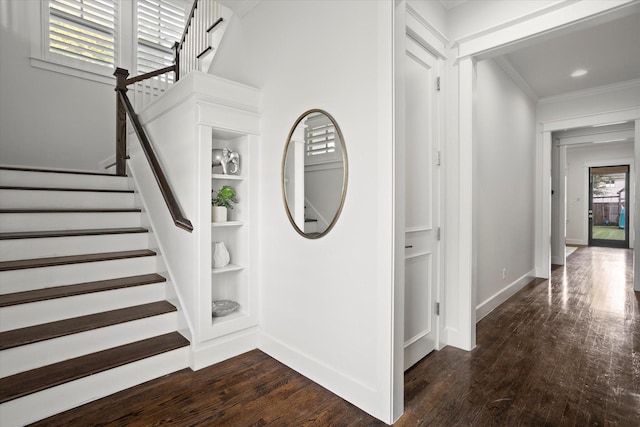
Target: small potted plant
x,y
222,202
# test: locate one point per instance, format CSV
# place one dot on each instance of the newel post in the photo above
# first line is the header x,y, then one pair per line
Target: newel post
x,y
176,60
121,122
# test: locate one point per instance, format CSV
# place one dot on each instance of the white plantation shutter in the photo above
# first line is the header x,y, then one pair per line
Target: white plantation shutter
x,y
160,24
321,140
84,30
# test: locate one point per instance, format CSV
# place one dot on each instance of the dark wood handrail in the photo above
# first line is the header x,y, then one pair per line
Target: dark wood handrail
x,y
145,76
124,107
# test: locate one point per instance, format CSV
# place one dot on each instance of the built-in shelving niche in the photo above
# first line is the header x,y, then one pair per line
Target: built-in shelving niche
x,y
236,281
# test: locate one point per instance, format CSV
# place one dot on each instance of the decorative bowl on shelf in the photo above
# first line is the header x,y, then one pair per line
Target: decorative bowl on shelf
x,y
223,307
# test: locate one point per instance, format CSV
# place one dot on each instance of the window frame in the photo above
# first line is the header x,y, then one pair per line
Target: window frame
x,y
125,44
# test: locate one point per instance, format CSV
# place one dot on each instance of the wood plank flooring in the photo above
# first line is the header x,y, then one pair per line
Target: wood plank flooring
x,y
564,353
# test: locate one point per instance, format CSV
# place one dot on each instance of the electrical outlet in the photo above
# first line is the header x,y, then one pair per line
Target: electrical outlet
x,y
504,273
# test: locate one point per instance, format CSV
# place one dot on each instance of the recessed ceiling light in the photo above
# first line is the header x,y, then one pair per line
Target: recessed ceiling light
x,y
579,73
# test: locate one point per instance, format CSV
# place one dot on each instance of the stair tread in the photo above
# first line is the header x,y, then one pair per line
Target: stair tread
x,y
70,233
73,172
61,328
89,190
16,298
46,211
72,259
24,383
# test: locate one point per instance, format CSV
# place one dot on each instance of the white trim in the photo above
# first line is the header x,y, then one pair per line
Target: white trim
x,y
636,205
629,84
591,119
511,22
424,33
543,21
467,280
576,242
504,294
508,68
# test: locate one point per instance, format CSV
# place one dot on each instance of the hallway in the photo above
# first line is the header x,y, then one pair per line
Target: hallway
x,y
564,354
561,354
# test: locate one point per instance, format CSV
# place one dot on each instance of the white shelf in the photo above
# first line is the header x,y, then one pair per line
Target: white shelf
x,y
223,176
227,224
228,268
228,318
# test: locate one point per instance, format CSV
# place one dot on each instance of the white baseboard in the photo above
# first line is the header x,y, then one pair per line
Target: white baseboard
x,y
557,260
362,395
498,298
223,348
576,242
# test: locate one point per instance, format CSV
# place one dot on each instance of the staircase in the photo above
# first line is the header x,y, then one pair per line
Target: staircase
x,y
82,308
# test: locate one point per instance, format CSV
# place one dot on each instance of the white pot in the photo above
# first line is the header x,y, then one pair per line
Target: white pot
x,y
221,256
218,214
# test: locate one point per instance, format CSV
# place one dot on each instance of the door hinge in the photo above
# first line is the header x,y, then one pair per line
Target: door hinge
x,y
438,84
438,158
437,309
438,234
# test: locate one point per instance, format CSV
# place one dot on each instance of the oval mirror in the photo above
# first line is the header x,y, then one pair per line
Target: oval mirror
x,y
314,174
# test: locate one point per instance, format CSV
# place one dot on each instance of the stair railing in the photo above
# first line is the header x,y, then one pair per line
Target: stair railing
x,y
124,107
205,15
194,44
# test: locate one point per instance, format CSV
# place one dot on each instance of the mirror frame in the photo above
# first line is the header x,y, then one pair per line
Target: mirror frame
x,y
345,174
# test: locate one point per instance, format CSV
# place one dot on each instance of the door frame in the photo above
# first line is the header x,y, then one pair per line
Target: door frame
x,y
631,203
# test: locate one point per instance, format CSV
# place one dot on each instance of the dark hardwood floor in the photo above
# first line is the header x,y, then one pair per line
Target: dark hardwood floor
x,y
564,353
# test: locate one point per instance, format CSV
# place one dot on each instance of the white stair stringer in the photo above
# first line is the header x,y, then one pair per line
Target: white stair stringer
x,y
16,249
52,310
31,356
215,37
36,406
37,278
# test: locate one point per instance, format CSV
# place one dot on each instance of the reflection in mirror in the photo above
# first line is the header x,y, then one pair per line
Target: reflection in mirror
x,y
314,174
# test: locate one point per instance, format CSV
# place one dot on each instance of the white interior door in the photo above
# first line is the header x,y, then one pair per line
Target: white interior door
x,y
422,204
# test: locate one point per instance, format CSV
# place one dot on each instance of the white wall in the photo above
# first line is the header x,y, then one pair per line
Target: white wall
x,y
578,161
48,119
325,303
504,186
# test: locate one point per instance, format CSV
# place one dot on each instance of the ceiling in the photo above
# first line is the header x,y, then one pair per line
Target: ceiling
x,y
609,51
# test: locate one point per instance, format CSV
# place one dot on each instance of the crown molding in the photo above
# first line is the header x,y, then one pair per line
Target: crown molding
x,y
508,68
629,84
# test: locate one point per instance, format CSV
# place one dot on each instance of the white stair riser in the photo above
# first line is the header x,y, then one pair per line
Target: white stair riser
x,y
35,313
37,406
43,199
38,278
10,222
12,178
23,358
16,249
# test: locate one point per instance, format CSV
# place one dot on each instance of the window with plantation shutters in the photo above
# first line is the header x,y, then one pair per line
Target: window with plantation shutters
x,y
83,30
320,139
159,25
